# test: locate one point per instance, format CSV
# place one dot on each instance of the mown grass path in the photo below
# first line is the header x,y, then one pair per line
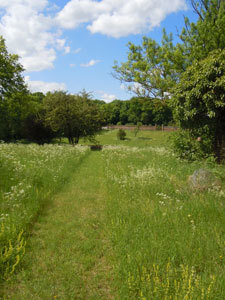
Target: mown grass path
x,y
66,257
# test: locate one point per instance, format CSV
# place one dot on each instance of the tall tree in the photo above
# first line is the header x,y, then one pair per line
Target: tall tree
x,y
147,70
13,94
199,100
207,34
153,69
11,79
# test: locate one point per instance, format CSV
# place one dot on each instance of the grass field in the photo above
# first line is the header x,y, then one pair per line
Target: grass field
x,y
125,225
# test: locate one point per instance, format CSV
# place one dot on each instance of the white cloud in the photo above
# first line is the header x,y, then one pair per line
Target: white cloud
x,y
67,49
107,97
72,65
77,12
44,87
117,18
91,63
29,33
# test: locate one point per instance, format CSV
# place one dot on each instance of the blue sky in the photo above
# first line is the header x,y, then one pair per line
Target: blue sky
x,y
72,44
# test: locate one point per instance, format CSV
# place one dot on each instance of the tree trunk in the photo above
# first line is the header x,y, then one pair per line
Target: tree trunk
x,y
77,139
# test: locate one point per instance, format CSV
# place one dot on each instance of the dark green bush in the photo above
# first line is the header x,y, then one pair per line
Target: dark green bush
x,y
121,134
191,146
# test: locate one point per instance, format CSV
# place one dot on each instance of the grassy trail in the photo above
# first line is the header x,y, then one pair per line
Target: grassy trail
x,y
66,257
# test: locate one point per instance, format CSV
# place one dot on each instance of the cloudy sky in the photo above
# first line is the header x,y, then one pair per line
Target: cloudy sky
x,y
72,44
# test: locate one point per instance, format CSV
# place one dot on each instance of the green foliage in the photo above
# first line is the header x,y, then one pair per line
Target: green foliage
x,y
121,134
35,130
13,95
187,146
137,109
11,80
207,34
73,116
137,128
148,66
192,72
199,99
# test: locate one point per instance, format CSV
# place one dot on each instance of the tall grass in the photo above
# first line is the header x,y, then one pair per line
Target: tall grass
x,y
138,221
168,241
29,174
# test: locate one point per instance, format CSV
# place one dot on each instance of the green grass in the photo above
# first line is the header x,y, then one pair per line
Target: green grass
x,y
156,220
66,253
127,226
29,174
143,138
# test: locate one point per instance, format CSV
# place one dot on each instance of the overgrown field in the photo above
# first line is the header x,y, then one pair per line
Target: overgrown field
x,y
168,241
29,174
149,236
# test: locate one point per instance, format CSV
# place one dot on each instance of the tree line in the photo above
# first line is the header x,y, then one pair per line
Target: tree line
x,y
40,118
37,117
143,110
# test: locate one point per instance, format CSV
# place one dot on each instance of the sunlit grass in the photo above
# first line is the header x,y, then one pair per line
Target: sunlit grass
x,y
128,226
156,219
29,174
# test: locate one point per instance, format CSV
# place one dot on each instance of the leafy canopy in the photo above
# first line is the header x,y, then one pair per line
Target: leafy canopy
x,y
198,99
11,80
153,69
13,95
73,116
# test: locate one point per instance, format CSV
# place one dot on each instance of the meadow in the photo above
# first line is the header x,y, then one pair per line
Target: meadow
x,y
29,175
136,229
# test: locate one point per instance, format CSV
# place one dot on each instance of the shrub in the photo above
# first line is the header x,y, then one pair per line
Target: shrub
x,y
137,128
189,146
96,147
121,134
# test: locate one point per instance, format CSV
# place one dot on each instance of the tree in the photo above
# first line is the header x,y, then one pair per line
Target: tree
x,y
33,127
147,68
11,80
153,69
161,111
135,110
207,34
13,94
199,100
74,116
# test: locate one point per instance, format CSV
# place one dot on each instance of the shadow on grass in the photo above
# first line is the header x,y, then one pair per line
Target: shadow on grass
x,y
144,138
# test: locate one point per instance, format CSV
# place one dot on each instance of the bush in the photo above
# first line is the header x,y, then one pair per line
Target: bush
x,y
191,146
96,147
121,134
137,128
